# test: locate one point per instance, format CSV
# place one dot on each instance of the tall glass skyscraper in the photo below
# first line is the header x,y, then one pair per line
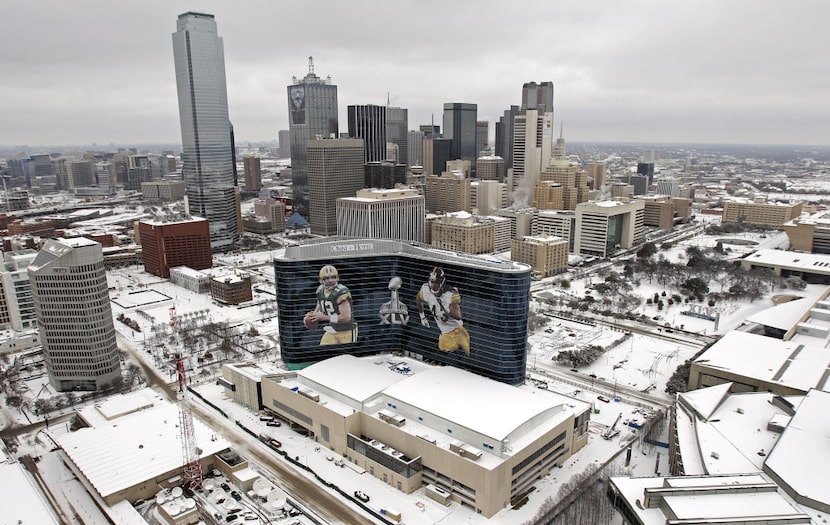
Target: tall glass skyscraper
x,y
312,113
207,151
460,126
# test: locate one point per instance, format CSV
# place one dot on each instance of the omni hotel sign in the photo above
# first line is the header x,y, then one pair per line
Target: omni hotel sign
x,y
352,248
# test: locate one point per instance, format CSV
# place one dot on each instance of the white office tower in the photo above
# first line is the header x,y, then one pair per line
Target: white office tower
x,y
72,305
207,156
491,196
668,186
17,291
382,214
532,149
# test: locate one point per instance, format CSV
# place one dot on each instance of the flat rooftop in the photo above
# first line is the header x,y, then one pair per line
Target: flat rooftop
x,y
788,363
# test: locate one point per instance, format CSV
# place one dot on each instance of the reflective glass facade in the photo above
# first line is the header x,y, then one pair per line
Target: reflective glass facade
x,y
312,109
207,156
493,305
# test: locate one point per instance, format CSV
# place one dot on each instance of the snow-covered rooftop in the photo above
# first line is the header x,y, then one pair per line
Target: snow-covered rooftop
x,y
811,262
768,359
801,459
338,375
134,448
783,316
741,501
468,400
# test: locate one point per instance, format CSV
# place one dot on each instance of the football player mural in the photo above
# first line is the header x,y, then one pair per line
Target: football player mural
x,y
333,310
444,303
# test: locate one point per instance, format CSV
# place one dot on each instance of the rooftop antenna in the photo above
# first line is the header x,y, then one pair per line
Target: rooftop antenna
x,y
387,100
310,65
561,128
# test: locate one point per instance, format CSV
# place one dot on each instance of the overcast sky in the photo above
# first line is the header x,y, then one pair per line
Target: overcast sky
x,y
705,71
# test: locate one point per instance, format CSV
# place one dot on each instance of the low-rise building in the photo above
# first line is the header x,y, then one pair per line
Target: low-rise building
x,y
405,423
545,255
760,211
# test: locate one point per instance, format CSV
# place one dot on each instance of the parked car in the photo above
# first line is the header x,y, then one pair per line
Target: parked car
x,y
361,496
604,399
273,423
224,486
235,495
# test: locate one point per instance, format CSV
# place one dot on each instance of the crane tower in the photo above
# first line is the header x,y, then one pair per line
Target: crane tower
x,y
191,468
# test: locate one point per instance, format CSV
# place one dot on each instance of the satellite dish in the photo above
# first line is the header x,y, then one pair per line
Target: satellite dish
x,y
176,492
190,503
174,508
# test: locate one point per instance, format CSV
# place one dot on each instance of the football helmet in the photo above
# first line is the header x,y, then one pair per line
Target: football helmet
x,y
436,279
326,272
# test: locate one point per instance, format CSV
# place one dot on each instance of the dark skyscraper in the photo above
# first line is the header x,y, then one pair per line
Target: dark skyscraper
x,y
504,136
397,129
482,136
369,123
460,126
207,151
538,96
312,113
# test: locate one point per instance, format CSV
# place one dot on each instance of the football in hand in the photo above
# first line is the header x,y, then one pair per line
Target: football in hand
x,y
310,323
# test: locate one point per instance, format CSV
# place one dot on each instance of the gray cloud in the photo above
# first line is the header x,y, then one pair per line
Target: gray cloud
x,y
651,71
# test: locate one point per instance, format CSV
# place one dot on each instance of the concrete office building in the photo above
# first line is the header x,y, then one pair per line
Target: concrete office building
x,y
335,170
604,227
284,140
557,224
490,196
598,173
490,167
460,127
269,217
163,191
467,233
668,186
460,165
382,214
415,148
549,196
252,173
560,170
621,190
232,287
168,244
546,256
479,450
368,123
72,305
665,212
79,173
810,234
760,211
532,150
207,151
522,221
18,304
448,193
312,110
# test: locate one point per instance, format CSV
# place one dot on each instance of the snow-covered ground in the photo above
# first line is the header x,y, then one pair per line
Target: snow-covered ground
x,y
639,362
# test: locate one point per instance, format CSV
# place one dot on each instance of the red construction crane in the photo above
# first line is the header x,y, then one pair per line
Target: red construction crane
x,y
191,468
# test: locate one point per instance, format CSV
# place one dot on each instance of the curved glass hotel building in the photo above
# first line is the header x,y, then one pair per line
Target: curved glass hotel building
x,y
378,284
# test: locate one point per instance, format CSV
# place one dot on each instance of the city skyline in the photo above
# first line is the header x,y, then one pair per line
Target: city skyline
x,y
735,73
